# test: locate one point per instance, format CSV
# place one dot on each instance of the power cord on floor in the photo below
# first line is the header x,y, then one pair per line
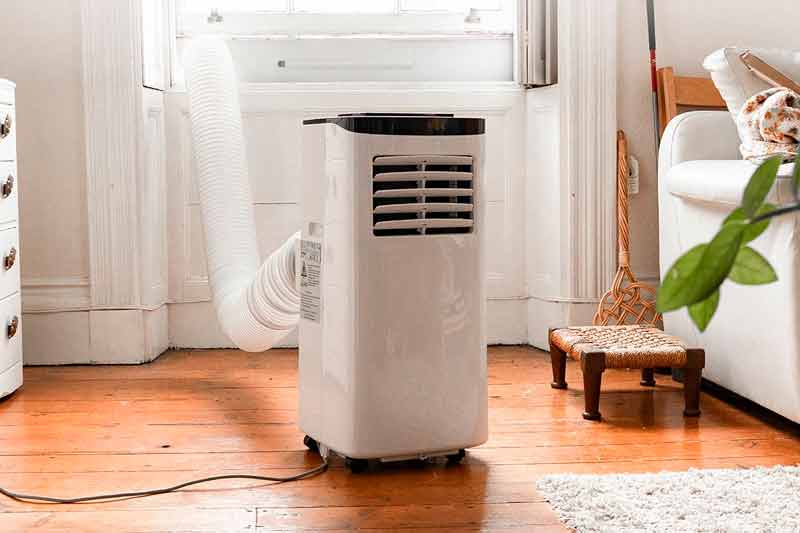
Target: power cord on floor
x,y
30,498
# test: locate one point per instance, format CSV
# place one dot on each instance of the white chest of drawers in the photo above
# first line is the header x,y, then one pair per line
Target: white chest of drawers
x,y
10,304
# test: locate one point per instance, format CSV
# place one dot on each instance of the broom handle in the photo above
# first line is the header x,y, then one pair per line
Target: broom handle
x,y
623,236
651,38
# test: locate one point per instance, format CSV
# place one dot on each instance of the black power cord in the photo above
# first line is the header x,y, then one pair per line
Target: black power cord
x,y
30,498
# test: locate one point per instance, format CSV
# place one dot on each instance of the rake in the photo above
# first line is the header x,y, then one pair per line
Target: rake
x,y
629,301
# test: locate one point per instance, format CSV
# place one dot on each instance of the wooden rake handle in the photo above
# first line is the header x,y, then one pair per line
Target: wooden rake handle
x,y
623,229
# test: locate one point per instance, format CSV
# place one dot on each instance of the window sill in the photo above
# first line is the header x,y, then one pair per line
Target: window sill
x,y
371,87
367,36
395,57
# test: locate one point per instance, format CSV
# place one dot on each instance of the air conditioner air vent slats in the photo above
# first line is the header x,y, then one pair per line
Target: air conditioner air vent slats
x,y
419,223
430,207
438,192
395,160
422,194
437,175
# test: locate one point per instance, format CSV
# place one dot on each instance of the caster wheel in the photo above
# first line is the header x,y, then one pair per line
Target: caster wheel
x,y
456,457
311,444
356,466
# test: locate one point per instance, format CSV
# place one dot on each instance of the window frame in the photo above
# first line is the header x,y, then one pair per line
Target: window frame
x,y
298,24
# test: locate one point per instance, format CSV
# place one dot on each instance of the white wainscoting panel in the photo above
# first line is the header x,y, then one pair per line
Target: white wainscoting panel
x,y
152,192
506,321
103,336
56,338
272,117
112,99
195,325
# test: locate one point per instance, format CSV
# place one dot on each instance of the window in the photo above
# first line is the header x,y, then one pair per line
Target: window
x,y
357,40
340,6
258,17
347,6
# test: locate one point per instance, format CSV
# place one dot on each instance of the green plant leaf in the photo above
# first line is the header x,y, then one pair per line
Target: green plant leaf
x,y
753,230
691,280
702,312
751,268
759,185
677,277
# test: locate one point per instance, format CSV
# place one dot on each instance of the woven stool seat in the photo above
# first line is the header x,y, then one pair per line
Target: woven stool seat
x,y
637,346
624,346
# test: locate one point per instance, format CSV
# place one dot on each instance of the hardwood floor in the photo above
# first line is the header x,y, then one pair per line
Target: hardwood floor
x,y
80,430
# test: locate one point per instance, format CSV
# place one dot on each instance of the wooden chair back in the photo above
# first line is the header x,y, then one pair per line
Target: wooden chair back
x,y
674,91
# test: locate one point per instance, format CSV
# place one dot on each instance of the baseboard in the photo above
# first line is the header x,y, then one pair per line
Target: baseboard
x,y
545,314
41,295
126,336
194,325
61,329
506,321
134,336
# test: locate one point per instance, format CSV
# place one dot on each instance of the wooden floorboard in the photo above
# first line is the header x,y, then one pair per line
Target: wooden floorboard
x,y
81,430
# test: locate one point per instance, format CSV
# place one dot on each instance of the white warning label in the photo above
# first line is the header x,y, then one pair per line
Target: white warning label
x,y
310,267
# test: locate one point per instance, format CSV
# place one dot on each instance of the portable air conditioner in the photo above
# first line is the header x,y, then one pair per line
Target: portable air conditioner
x,y
392,334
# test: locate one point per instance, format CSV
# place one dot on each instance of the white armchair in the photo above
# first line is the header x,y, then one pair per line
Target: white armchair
x,y
753,343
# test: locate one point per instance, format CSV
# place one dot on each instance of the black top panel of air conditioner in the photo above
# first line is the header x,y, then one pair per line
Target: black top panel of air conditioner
x,y
405,123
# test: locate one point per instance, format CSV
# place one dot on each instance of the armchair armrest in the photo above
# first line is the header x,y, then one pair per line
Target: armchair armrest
x,y
698,135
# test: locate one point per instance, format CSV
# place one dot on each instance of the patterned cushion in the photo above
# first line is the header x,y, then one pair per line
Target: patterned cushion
x,y
734,80
769,124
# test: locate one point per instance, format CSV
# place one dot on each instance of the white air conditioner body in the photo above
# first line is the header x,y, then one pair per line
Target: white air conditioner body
x,y
392,329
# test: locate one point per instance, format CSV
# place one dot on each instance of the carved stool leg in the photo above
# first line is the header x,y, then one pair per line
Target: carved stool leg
x,y
692,374
558,359
593,364
648,378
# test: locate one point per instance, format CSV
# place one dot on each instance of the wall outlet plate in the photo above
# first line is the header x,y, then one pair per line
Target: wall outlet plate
x,y
633,175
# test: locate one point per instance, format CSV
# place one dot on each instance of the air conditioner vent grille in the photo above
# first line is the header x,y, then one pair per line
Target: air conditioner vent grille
x,y
422,195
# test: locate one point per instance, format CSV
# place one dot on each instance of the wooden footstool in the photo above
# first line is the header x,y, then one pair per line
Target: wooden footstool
x,y
645,347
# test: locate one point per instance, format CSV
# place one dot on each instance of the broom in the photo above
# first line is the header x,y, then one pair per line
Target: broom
x,y
651,38
629,301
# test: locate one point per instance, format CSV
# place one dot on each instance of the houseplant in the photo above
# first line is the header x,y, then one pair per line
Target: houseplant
x,y
695,279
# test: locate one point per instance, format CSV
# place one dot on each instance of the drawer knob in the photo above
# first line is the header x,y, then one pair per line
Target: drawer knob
x,y
10,259
13,326
8,186
5,127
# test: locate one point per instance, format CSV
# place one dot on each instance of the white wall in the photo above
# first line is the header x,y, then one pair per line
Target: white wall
x,y
686,31
41,52
91,178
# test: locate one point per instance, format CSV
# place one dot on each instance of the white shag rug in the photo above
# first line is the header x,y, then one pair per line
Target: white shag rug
x,y
735,500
